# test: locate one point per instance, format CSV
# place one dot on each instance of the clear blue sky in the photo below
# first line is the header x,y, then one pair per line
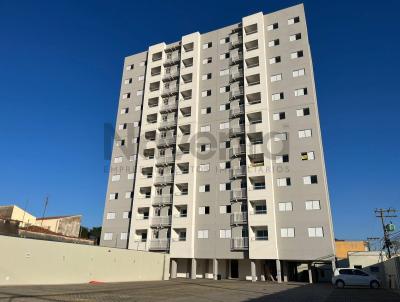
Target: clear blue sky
x,y
60,72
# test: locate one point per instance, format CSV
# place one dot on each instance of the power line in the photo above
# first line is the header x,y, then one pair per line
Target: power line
x,y
382,214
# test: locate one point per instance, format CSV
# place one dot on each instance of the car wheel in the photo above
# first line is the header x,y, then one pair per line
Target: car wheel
x,y
339,284
374,284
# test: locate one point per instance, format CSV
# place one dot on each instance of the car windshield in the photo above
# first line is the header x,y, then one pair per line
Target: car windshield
x,y
346,272
360,273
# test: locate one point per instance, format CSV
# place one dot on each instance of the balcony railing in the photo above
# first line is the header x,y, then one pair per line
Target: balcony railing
x,y
159,244
236,40
238,172
169,107
169,90
236,75
236,130
161,221
162,200
238,194
164,179
172,60
238,218
164,160
236,111
257,187
171,123
173,74
239,243
166,141
236,58
236,92
237,150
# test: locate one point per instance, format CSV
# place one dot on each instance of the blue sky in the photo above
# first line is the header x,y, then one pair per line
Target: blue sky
x,y
60,72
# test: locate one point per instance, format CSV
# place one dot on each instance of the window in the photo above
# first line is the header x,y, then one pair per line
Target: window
x,y
113,196
295,37
275,60
303,111
276,77
298,72
225,209
120,143
296,54
287,232
278,116
224,107
138,108
206,93
225,186
110,215
293,20
305,133
108,236
207,45
204,167
116,177
131,175
126,96
226,144
124,236
300,92
224,56
204,188
283,182
285,206
132,157
224,89
202,234
206,110
310,179
130,67
205,147
124,110
204,210
129,194
122,126
141,78
307,155
225,233
139,92
224,125
224,40
224,72
207,60
117,160
225,165
125,215
313,205
278,96
280,137
206,128
272,26
282,158
315,232
142,63
206,76
273,43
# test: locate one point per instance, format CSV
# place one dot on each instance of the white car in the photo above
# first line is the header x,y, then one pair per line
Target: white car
x,y
354,277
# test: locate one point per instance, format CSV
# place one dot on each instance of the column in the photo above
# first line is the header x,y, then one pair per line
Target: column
x,y
215,269
333,265
285,270
253,271
310,277
193,270
278,271
174,268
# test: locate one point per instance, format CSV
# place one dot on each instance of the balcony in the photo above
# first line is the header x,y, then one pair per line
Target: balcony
x,y
173,74
237,150
161,200
236,92
236,75
157,221
235,58
236,130
238,218
170,123
163,179
166,141
238,194
164,160
159,244
237,172
168,107
172,59
169,90
236,40
236,111
239,243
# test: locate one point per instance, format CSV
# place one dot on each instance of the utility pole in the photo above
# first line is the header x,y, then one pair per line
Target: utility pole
x,y
382,214
370,240
45,207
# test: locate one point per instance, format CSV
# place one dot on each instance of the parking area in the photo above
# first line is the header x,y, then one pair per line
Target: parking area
x,y
194,290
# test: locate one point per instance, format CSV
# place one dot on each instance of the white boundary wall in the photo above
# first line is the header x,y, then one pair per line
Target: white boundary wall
x,y
27,261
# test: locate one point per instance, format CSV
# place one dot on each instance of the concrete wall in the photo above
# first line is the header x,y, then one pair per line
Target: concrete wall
x,y
27,261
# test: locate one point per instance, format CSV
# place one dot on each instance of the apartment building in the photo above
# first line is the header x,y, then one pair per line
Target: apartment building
x,y
218,157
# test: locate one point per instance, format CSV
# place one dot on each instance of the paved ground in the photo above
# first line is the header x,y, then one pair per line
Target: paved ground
x,y
198,290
